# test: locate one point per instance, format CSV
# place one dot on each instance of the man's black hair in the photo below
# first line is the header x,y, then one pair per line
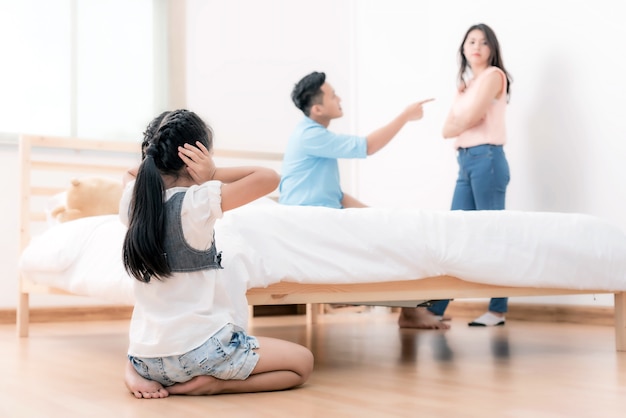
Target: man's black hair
x,y
308,92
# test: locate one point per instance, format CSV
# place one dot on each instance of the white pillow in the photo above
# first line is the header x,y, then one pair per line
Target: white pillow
x,y
59,246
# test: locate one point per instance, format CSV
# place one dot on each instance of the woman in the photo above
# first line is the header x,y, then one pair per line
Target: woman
x,y
477,122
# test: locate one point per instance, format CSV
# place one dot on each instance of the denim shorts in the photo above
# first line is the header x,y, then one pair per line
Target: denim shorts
x,y
227,355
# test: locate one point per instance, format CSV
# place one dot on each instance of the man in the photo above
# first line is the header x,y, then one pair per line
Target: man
x,y
310,171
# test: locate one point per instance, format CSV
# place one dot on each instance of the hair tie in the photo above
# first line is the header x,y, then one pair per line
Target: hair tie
x,y
152,150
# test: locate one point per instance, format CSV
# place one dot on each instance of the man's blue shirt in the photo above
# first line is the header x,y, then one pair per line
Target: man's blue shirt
x,y
310,171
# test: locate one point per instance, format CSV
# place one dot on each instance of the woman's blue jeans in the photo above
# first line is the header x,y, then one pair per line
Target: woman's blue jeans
x,y
481,185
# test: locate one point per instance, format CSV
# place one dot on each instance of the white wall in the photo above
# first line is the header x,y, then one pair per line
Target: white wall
x,y
10,228
566,131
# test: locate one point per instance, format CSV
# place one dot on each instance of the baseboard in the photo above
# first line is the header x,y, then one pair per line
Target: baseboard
x,y
111,313
596,315
70,313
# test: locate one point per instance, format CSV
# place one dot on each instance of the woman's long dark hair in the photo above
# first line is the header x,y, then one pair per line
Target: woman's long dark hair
x,y
495,59
143,252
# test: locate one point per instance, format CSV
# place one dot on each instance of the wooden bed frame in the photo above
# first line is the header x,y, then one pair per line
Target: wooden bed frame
x,y
398,293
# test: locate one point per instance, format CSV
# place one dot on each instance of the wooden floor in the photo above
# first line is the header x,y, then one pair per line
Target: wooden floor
x,y
365,367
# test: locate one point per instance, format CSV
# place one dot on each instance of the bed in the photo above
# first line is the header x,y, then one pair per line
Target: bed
x,y
276,254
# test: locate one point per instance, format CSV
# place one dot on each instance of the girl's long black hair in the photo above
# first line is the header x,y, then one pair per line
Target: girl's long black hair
x,y
143,254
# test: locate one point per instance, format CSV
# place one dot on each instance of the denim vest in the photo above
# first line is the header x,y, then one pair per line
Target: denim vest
x,y
180,256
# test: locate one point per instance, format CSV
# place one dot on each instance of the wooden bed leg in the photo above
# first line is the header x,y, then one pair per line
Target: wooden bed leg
x,y
22,315
250,314
620,321
312,313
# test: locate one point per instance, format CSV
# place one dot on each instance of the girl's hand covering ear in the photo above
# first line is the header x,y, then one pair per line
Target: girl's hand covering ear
x,y
199,162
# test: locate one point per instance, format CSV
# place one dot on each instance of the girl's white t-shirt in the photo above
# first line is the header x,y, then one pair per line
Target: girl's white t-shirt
x,y
177,314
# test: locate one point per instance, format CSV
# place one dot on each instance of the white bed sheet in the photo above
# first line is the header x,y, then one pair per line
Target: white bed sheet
x,y
264,243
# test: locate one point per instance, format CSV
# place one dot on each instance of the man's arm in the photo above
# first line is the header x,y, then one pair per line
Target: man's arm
x,y
382,136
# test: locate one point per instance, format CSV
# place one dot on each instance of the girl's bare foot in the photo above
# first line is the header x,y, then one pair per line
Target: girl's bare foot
x,y
141,387
199,385
420,318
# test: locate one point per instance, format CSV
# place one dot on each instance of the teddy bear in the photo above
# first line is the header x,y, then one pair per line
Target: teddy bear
x,y
89,196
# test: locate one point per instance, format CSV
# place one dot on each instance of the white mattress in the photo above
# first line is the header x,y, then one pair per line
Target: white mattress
x,y
263,243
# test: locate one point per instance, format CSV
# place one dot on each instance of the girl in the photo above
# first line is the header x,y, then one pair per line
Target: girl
x,y
183,335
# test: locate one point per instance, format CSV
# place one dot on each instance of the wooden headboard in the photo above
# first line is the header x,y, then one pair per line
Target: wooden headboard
x,y
79,157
